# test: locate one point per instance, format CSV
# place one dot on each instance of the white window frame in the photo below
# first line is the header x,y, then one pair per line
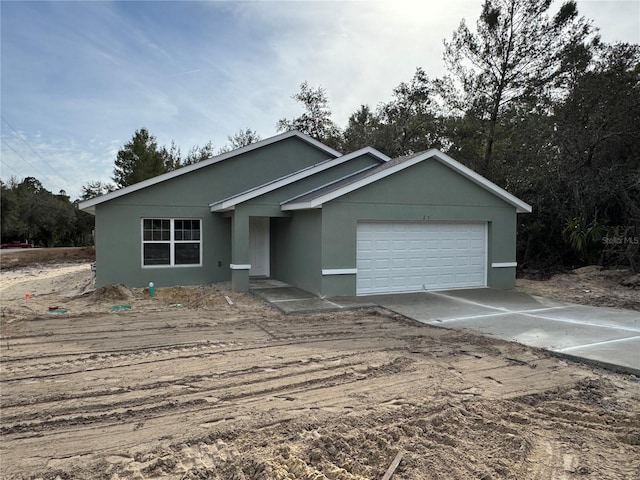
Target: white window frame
x,y
172,242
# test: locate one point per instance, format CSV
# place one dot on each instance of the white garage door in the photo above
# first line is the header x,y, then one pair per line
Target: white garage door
x,y
409,257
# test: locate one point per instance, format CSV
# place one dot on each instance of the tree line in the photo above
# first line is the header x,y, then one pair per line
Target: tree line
x,y
31,213
533,100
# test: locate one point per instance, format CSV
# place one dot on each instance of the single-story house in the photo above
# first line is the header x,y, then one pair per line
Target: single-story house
x,y
293,209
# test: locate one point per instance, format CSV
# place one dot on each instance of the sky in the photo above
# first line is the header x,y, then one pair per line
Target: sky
x,y
78,78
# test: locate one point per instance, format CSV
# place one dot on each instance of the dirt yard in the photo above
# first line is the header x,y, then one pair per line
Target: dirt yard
x,y
591,285
187,386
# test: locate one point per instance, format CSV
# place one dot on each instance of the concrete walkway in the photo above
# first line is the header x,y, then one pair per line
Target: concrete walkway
x,y
290,299
607,337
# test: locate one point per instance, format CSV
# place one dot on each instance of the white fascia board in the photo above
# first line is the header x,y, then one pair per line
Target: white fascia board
x,y
299,206
88,204
521,207
231,202
371,151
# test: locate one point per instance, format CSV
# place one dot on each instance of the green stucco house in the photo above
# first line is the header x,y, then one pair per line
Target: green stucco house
x,y
293,209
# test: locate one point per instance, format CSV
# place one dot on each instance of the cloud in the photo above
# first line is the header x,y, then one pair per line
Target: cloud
x,y
60,165
621,23
78,78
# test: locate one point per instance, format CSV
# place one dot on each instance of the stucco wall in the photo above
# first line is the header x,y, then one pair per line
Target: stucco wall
x,y
119,247
296,250
429,191
118,222
268,204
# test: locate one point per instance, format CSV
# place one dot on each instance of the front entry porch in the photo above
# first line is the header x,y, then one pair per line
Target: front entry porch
x,y
250,248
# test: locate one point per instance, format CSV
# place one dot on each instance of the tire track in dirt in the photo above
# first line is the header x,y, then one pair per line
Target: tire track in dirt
x,y
262,395
194,383
105,412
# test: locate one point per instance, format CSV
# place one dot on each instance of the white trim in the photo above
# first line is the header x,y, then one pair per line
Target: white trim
x,y
339,271
368,227
521,207
89,205
244,266
230,202
172,242
486,254
504,264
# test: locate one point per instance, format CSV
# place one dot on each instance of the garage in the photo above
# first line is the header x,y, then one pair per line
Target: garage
x,y
414,256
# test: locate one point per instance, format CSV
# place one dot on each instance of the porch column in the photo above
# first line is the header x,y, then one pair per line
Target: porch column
x,y
240,260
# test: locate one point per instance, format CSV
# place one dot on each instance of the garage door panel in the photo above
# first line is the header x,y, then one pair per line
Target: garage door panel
x,y
462,261
402,257
477,261
431,244
431,262
447,262
381,264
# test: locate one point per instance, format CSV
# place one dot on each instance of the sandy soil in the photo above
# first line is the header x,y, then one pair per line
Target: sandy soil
x,y
591,285
12,259
186,386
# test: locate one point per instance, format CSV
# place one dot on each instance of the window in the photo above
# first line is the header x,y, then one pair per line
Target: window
x,y
171,242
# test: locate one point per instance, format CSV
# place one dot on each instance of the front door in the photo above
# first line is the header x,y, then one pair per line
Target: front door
x,y
259,246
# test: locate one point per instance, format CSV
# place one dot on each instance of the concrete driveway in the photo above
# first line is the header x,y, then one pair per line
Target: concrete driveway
x,y
606,336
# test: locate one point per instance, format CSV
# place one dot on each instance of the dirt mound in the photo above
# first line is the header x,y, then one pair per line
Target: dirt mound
x,y
114,292
198,297
631,282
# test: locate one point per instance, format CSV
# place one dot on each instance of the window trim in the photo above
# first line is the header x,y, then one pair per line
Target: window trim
x,y
172,242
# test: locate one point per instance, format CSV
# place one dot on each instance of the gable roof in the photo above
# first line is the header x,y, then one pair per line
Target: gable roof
x,y
316,198
89,205
229,203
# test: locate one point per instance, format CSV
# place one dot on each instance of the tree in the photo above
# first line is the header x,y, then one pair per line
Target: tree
x,y
405,125
32,213
95,189
140,159
316,118
56,219
597,131
514,55
198,154
11,224
240,139
172,156
362,130
407,122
